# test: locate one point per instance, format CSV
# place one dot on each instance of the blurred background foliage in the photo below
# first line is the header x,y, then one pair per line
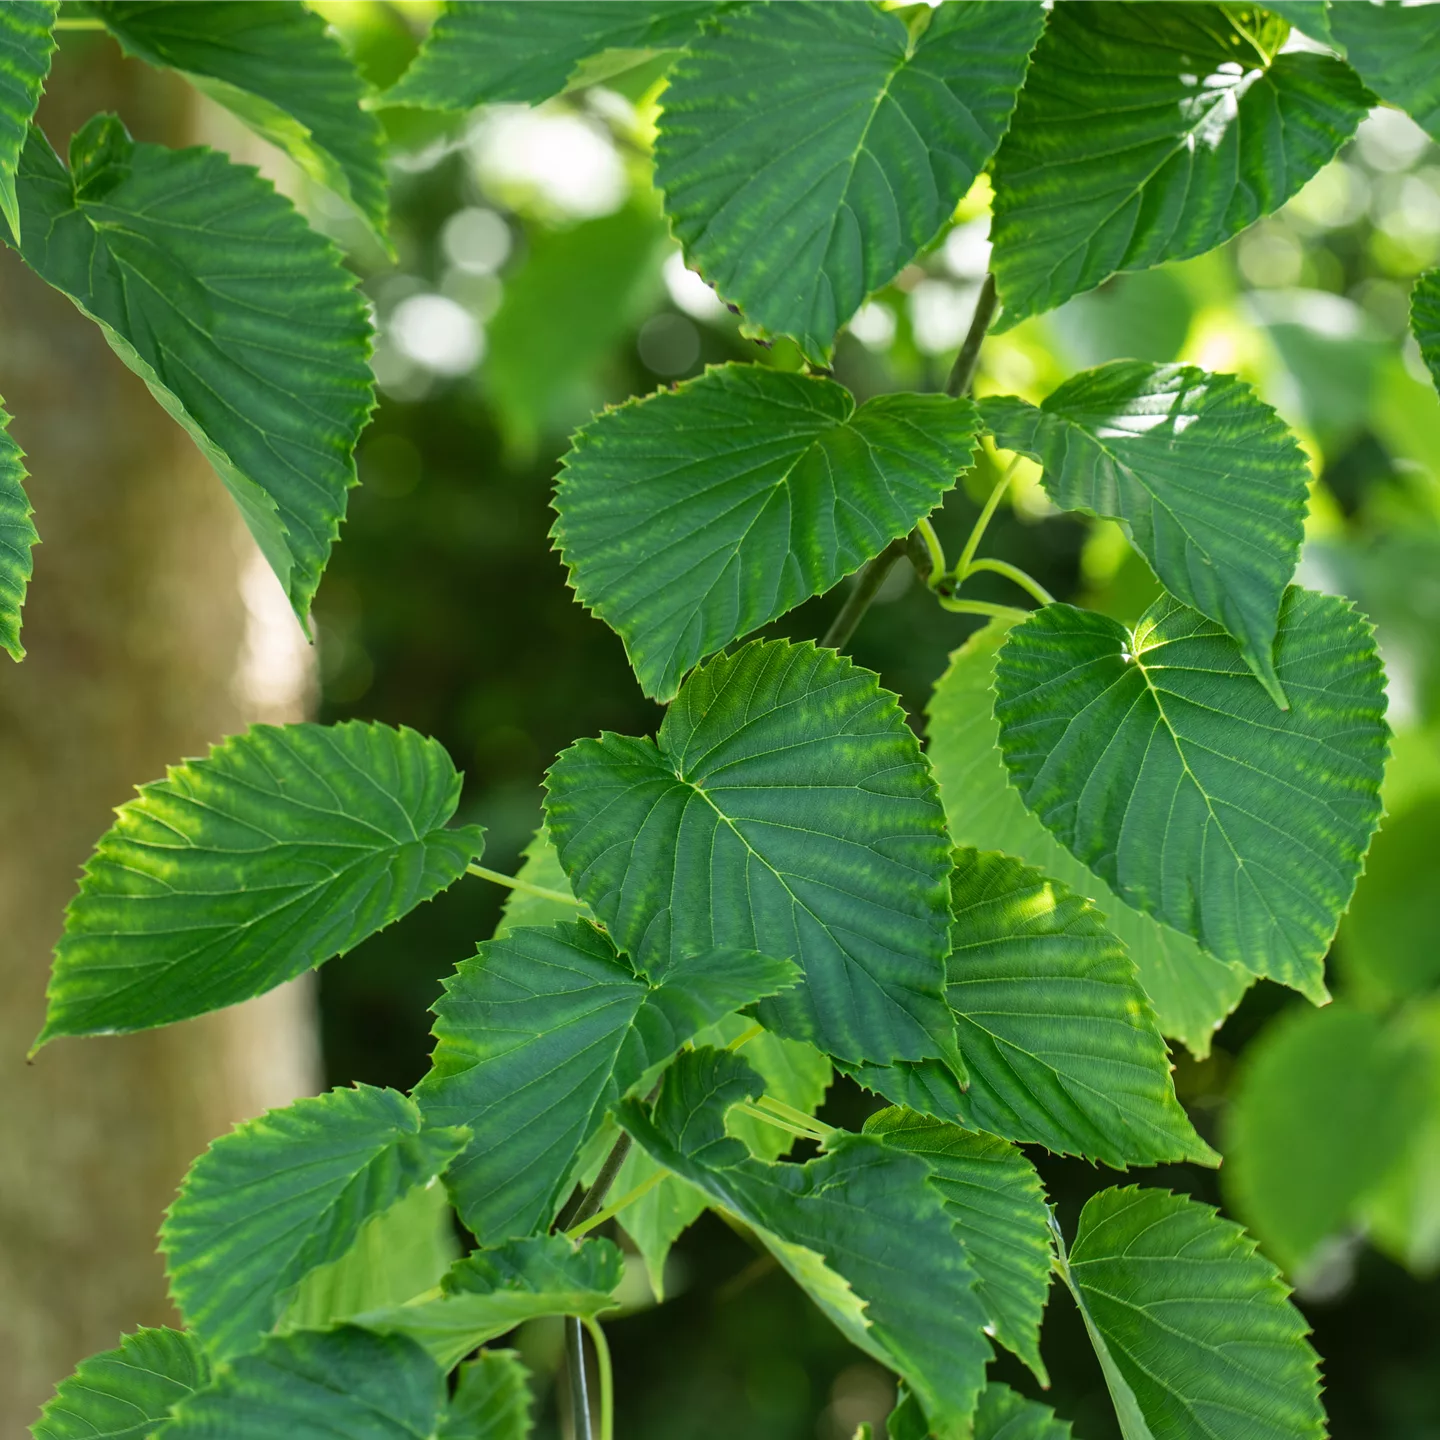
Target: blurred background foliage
x,y
536,283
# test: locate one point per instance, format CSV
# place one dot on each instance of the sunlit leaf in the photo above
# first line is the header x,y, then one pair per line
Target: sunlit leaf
x,y
17,535
241,320
491,1400
785,803
1156,757
884,133
1152,133
698,514
1004,1415
1392,47
27,42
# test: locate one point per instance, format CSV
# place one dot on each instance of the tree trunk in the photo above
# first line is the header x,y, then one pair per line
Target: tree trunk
x,y
153,628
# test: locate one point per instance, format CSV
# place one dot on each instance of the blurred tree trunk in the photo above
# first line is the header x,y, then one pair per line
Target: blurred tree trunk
x,y
152,629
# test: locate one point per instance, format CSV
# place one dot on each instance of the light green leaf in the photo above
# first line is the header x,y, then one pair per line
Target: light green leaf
x,y
479,54
278,67
285,846
862,1228
1194,1330
539,1035
123,1394
788,803
698,514
1146,134
17,532
1324,1109
283,1194
491,1400
27,42
540,867
993,1195
1190,991
1156,757
884,133
1004,1415
1206,479
1392,47
1425,319
318,1385
492,1291
242,321
1311,16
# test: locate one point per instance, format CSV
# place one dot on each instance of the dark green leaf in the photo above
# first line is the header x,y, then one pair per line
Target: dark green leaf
x,y
287,845
862,1228
785,803
698,514
1157,758
1194,1330
1151,133
1206,479
285,1194
1191,992
281,69
883,135
1004,1415
1425,319
539,1035
124,1394
242,321
17,534
993,1195
27,42
1393,47
491,1400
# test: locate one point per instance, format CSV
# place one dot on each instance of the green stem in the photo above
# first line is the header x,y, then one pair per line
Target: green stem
x,y
963,370
933,549
872,577
615,1206
818,1128
1013,572
579,1390
987,513
756,1113
981,607
76,22
513,882
745,1037
607,1382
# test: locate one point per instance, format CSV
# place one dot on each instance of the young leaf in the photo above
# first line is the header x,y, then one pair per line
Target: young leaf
x,y
993,1195
539,1035
1194,1330
1392,47
785,802
1425,319
1152,133
1191,991
316,1385
242,321
124,1394
27,42
283,1194
492,1291
17,532
698,514
287,845
1157,759
491,1400
1325,1107
279,68
540,866
1206,479
884,133
1004,1415
862,1229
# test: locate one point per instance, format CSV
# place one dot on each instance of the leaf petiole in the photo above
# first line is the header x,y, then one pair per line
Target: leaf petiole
x,y
513,882
818,1128
977,532
607,1383
1013,572
616,1206
981,607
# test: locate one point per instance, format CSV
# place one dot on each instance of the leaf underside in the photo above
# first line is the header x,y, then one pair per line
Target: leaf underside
x,y
491,1401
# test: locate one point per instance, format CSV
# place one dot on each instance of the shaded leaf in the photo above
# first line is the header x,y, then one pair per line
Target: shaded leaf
x,y
491,1400
1146,134
1392,47
787,802
242,321
540,866
1207,480
1004,1415
17,534
1156,757
27,42
285,846
698,514
1425,319
884,134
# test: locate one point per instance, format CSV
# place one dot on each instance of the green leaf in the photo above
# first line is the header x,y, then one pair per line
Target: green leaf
x,y
491,1400
1191,991
1156,758
287,845
540,866
993,1195
862,1228
538,1036
1425,319
884,133
319,1385
123,1394
1194,1330
1391,47
479,54
698,514
1207,481
492,1291
242,321
1004,1415
283,1194
282,70
788,803
17,533
27,42
1146,134
1325,1106
1311,16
